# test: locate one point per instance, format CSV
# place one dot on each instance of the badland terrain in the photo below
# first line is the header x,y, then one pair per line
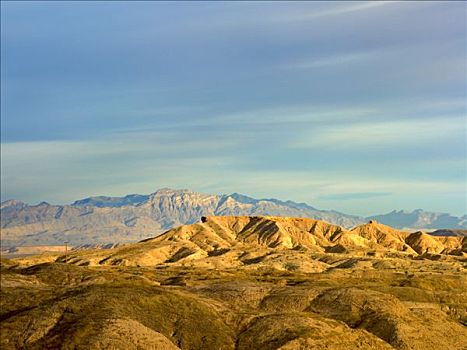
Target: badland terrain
x,y
244,282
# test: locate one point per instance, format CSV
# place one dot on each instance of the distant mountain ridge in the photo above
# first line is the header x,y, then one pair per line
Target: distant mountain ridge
x,y
421,219
112,202
417,219
104,220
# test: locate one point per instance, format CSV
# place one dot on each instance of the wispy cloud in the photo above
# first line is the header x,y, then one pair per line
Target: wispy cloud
x,y
342,8
383,133
297,113
335,60
356,195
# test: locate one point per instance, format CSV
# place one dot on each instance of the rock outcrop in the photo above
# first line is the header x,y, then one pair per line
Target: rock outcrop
x,y
230,241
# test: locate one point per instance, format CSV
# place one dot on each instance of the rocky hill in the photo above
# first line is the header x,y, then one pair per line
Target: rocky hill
x,y
278,242
109,220
244,282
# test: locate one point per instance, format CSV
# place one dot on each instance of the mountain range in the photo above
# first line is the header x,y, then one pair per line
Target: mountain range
x,y
103,220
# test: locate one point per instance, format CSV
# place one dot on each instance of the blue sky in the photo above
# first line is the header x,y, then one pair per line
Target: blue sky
x,y
353,106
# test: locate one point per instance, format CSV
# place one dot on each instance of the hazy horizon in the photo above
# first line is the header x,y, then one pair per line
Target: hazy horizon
x,y
358,107
219,194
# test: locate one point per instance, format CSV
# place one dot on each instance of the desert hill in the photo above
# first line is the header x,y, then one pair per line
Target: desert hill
x,y
240,282
110,220
279,242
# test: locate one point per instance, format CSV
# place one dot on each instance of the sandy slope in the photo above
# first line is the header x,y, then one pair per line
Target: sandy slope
x,y
242,241
244,283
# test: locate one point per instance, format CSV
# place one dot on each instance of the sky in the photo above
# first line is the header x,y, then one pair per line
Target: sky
x,y
353,106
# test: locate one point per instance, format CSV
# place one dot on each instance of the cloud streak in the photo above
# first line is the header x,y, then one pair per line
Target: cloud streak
x,y
357,195
382,134
336,60
341,9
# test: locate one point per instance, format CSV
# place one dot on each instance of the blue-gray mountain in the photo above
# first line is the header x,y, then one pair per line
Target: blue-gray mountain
x,y
102,220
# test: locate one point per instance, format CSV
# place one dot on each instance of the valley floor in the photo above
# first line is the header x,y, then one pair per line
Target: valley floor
x,y
356,303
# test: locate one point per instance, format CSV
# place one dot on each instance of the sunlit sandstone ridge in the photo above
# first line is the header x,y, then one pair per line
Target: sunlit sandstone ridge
x,y
228,241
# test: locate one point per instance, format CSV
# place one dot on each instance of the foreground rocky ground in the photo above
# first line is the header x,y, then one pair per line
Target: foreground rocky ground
x,y
361,304
244,283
